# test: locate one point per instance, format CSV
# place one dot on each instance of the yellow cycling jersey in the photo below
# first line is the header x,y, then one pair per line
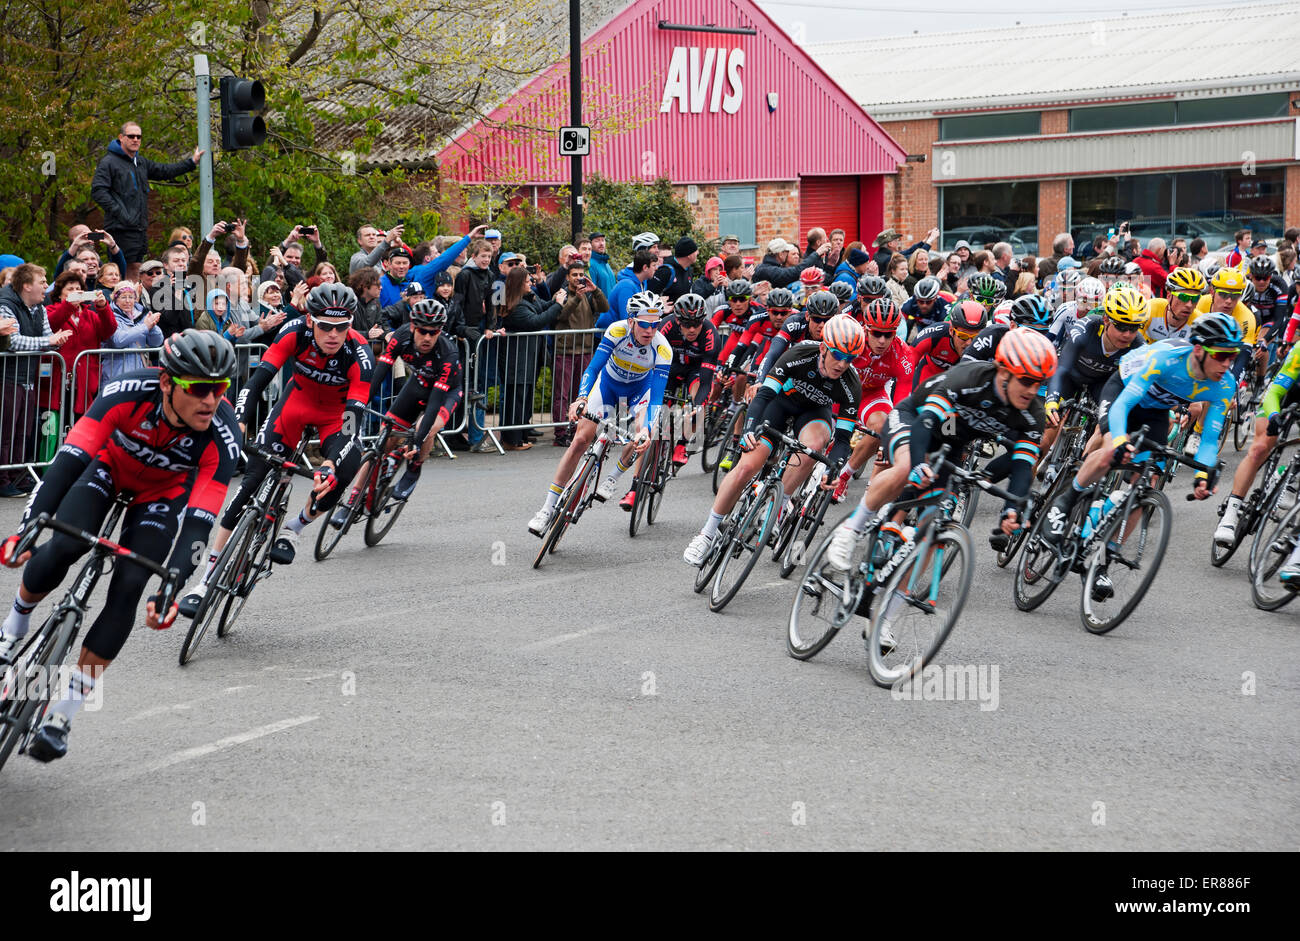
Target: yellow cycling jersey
x,y
1156,328
1241,313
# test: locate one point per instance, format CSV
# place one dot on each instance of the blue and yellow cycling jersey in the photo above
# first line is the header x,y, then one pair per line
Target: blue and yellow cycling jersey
x,y
623,367
1160,376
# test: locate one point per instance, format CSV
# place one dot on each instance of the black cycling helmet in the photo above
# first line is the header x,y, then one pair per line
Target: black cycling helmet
x,y
738,289
1112,265
927,289
842,290
203,354
1262,267
689,309
428,312
871,286
823,304
334,300
780,299
1217,330
1031,310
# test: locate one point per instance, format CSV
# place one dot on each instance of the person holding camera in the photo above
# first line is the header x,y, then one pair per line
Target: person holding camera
x,y
87,316
206,261
84,242
286,258
582,307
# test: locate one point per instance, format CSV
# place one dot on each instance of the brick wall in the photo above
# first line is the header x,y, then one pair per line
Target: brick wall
x,y
1291,210
1052,198
911,199
1056,121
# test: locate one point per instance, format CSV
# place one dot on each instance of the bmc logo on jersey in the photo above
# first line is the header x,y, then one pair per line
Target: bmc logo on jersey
x,y
128,385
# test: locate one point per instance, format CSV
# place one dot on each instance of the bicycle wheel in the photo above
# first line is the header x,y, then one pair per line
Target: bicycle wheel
x,y
642,487
1040,570
329,537
1131,565
248,567
714,437
825,601
730,446
1276,541
805,531
565,509
47,650
663,472
743,549
920,604
785,533
384,510
1277,503
1247,521
218,590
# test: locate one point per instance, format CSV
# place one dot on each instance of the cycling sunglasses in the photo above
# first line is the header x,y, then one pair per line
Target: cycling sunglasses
x,y
647,324
1236,295
1186,298
882,334
428,331
1027,382
1124,327
1223,356
332,326
741,299
202,388
964,334
812,319
842,357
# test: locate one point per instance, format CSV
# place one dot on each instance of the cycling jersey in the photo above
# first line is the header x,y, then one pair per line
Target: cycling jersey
x,y
692,359
796,386
725,316
625,369
986,342
1157,328
1241,313
794,330
933,352
1084,361
1159,377
1283,383
751,342
1271,306
912,313
440,364
1066,314
894,365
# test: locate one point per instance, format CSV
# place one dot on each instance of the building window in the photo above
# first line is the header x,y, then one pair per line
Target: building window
x,y
990,212
1165,113
1208,204
1006,124
738,213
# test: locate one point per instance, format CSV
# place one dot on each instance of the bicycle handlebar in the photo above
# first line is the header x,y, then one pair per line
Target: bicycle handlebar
x,y
793,443
278,462
978,478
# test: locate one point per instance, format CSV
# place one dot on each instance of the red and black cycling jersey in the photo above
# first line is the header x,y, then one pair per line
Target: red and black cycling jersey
x,y
127,431
794,330
933,351
439,366
698,358
329,384
725,316
751,342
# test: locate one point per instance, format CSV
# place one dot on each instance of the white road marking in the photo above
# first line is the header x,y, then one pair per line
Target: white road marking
x,y
180,706
561,639
222,744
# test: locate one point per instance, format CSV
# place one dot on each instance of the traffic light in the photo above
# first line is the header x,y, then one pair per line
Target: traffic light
x,y
240,128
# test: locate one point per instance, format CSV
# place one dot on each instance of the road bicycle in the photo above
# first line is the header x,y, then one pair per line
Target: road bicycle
x,y
657,468
1261,506
36,674
374,499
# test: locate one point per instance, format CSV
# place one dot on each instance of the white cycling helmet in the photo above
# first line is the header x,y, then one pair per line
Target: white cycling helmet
x,y
644,304
644,240
1089,293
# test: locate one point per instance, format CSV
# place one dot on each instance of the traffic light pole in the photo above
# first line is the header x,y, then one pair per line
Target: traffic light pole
x,y
575,110
203,94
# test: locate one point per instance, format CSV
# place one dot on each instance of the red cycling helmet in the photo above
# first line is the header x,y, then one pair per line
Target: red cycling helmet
x,y
881,314
968,316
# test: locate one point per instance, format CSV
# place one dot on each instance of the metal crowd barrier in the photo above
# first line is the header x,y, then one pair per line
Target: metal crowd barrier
x,y
551,363
31,398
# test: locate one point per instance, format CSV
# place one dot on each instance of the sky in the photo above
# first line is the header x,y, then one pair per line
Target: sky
x,y
829,20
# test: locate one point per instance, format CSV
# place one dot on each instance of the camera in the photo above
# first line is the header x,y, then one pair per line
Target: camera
x,y
307,229
96,236
223,228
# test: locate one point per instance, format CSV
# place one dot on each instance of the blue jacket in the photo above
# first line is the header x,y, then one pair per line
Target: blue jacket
x,y
625,286
844,272
601,273
391,292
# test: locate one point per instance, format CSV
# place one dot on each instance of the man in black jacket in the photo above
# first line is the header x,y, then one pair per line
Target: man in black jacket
x,y
121,187
781,265
473,289
685,252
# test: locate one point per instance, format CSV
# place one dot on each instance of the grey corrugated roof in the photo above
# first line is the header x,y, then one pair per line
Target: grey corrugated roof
x,y
1143,53
537,32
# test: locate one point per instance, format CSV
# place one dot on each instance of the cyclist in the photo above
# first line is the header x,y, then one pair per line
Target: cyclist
x,y
806,324
627,375
735,311
1028,310
801,390
167,437
811,280
1227,286
328,389
750,343
843,292
1170,315
1149,382
695,345
1282,393
940,345
871,287
1111,271
925,306
1266,296
433,390
969,401
1088,295
887,359
988,290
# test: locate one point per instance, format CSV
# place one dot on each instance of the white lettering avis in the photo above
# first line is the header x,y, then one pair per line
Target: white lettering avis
x,y
690,80
102,895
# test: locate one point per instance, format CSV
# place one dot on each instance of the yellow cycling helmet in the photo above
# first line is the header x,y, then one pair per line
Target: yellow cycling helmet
x,y
1125,304
1186,281
1228,279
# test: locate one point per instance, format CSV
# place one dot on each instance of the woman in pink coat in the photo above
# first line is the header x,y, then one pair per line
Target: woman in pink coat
x,y
92,324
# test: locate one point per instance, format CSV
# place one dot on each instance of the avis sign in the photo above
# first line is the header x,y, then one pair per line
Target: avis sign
x,y
704,79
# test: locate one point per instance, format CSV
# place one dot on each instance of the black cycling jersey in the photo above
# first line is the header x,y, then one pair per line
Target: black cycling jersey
x,y
1272,306
692,359
985,344
799,386
440,364
1084,360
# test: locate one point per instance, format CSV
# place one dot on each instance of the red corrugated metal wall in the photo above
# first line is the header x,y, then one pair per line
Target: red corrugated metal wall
x,y
627,63
830,202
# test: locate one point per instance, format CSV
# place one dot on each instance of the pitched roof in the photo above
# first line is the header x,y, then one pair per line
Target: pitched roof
x,y
1241,46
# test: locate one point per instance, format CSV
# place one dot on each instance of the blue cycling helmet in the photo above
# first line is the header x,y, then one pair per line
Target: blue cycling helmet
x,y
1031,310
1217,330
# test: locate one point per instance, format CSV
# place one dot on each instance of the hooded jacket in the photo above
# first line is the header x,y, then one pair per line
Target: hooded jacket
x,y
121,187
132,334
601,272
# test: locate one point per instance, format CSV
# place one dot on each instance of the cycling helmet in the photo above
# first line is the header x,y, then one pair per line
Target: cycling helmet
x,y
1210,266
871,286
689,309
1002,313
812,277
1112,265
739,289
644,303
644,240
1218,330
1089,293
987,289
780,299
845,335
1185,281
1027,353
927,289
1132,268
1228,279
968,315
332,300
823,304
428,312
882,315
202,354
1030,310
842,290
1125,304
1068,278
1262,267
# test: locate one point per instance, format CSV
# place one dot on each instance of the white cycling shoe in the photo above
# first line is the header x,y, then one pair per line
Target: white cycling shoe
x,y
537,525
1226,534
607,488
698,550
839,554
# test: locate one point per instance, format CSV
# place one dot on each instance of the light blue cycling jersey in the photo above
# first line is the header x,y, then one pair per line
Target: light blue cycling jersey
x,y
625,369
1159,376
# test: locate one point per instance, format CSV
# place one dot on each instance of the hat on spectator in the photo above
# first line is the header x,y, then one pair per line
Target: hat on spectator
x,y
441,278
132,286
595,235
961,243
1065,263
685,246
778,245
714,262
858,257
505,257
887,236
731,238
492,234
264,287
415,287
397,250
10,261
1259,243
151,265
